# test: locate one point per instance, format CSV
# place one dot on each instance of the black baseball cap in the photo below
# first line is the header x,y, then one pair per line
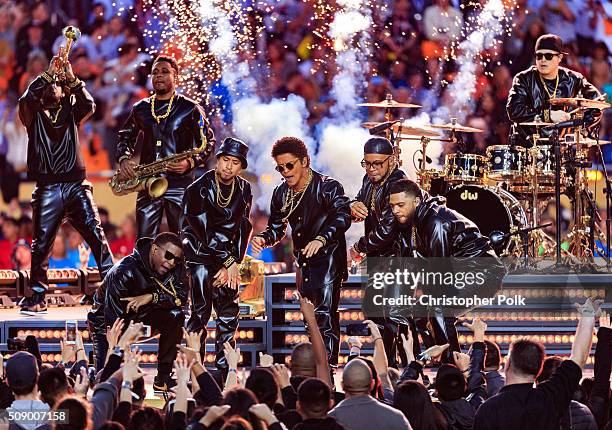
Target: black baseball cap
x,y
551,42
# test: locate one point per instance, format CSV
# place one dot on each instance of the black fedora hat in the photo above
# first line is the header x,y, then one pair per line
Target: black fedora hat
x,y
235,148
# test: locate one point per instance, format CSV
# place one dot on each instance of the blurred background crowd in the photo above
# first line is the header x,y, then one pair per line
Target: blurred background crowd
x,y
408,61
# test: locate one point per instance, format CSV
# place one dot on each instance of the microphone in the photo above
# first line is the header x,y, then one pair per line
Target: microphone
x,y
513,138
565,124
382,127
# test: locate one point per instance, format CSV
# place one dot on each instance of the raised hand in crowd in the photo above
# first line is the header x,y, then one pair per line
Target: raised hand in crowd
x,y
478,327
182,367
193,339
380,356
233,357
81,384
584,332
408,344
131,334
263,412
318,347
265,360
213,414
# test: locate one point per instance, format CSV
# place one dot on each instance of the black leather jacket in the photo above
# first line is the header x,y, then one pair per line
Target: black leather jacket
x,y
132,276
381,225
442,232
213,235
323,212
54,154
528,97
182,130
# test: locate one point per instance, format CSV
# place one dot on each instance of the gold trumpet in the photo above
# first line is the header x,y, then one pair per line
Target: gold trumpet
x,y
72,34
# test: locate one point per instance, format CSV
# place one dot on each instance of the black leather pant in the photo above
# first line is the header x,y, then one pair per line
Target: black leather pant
x,y
169,323
50,205
149,211
325,301
225,301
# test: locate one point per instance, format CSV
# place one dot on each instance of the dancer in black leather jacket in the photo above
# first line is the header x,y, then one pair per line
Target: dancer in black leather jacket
x,y
428,229
532,90
146,286
171,124
319,214
52,115
372,206
216,233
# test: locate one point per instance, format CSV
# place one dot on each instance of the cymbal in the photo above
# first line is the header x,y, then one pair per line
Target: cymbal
x,y
456,127
586,142
414,130
536,123
389,103
580,102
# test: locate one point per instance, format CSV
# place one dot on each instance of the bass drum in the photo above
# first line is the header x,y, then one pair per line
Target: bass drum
x,y
490,209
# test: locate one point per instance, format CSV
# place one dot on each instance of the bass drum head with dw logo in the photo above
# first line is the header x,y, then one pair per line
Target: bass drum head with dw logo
x,y
491,209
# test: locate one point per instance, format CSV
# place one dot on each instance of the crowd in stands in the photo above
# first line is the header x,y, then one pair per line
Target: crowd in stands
x,y
470,391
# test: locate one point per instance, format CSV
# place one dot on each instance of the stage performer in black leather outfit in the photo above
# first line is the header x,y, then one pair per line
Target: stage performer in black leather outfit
x,y
319,214
52,111
216,233
427,228
532,90
372,206
170,124
146,287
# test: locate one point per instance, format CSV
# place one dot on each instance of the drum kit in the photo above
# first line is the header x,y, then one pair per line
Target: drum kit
x,y
506,191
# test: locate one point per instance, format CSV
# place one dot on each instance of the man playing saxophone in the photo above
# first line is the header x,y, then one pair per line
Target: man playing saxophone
x,y
171,124
51,109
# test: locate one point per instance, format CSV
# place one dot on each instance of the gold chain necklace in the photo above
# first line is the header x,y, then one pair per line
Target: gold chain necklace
x,y
158,118
290,204
554,94
54,120
550,96
223,201
172,292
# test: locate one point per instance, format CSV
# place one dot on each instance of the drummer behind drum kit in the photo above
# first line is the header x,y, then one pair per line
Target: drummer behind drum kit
x,y
505,192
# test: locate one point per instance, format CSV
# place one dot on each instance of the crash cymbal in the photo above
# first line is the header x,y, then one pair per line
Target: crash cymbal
x,y
536,123
580,102
586,142
456,127
413,130
389,103
370,124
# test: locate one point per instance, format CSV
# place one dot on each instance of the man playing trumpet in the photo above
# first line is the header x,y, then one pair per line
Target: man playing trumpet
x,y
51,109
171,124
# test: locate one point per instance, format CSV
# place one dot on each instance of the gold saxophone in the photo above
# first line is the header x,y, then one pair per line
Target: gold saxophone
x,y
148,176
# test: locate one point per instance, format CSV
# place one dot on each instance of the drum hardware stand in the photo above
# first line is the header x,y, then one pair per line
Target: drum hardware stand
x,y
581,236
608,195
523,239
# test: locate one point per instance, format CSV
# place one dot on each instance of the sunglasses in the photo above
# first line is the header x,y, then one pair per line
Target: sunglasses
x,y
375,164
549,56
169,256
280,168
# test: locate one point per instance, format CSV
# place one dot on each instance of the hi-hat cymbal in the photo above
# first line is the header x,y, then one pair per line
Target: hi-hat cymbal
x,y
389,103
537,123
580,102
456,127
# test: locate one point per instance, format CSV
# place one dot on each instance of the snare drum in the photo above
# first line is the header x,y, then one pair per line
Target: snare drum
x,y
506,163
465,168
